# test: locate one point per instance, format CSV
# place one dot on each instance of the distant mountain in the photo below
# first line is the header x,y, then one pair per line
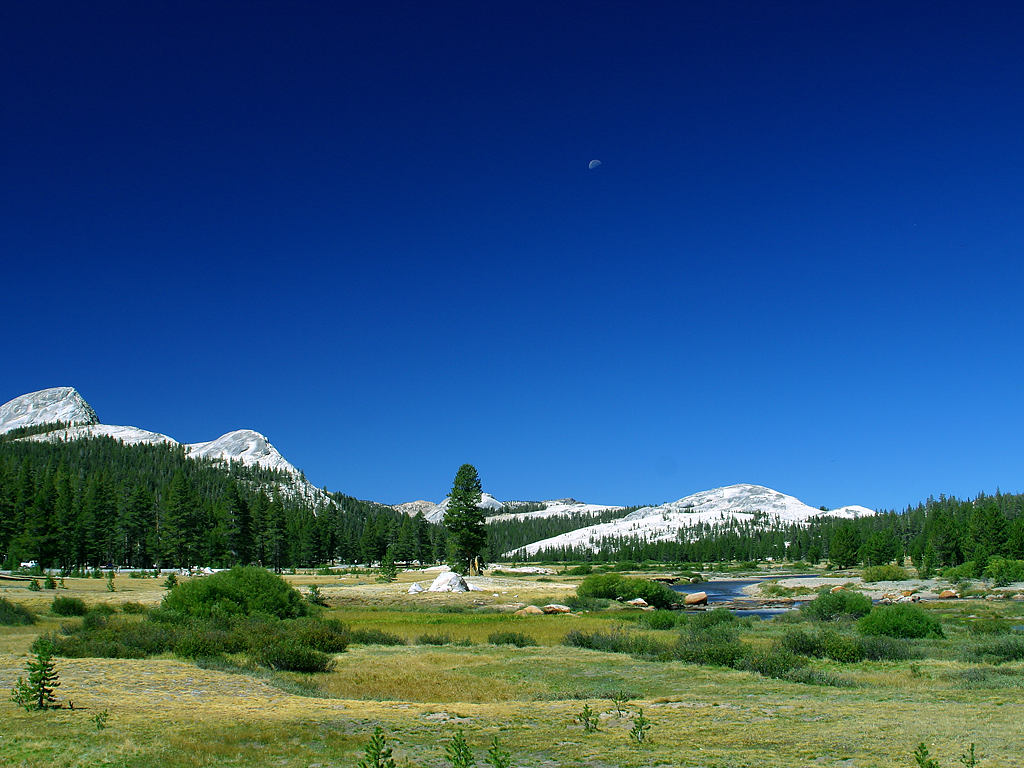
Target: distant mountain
x,y
65,405
434,513
46,406
754,503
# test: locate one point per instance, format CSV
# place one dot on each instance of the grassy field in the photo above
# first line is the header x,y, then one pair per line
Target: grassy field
x,y
168,712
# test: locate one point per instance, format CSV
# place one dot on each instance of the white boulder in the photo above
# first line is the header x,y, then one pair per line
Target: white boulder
x,y
415,589
449,581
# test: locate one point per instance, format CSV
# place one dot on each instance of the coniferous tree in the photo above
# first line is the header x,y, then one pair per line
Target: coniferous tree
x,y
465,520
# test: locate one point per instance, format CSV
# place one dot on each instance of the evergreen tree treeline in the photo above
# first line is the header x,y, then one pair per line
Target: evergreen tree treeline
x,y
97,501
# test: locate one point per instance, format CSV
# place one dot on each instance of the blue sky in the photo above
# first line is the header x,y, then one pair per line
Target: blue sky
x,y
370,233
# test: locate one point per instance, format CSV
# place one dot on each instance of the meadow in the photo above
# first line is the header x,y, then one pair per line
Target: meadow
x,y
447,675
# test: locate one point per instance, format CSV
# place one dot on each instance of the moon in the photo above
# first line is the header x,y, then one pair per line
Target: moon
x,y
593,164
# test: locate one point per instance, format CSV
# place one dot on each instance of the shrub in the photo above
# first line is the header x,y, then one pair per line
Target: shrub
x,y
842,648
202,645
1003,571
774,661
328,636
900,621
708,619
997,651
68,606
581,570
616,641
658,620
289,655
715,646
616,587
137,608
885,648
13,614
803,642
375,637
434,640
960,572
884,573
95,619
240,591
828,606
518,639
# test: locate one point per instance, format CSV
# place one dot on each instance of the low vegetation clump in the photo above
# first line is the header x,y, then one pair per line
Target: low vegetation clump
x,y
900,621
68,606
1003,571
829,606
884,573
997,651
14,614
614,586
518,639
374,636
246,611
239,592
660,619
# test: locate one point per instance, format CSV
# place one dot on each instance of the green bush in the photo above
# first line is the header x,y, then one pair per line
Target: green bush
x,y
239,592
68,606
803,642
828,606
884,573
842,648
202,645
708,619
375,637
444,639
715,646
900,621
997,651
1004,571
960,572
137,608
614,586
518,639
289,655
581,570
616,641
774,661
884,648
14,614
325,635
659,619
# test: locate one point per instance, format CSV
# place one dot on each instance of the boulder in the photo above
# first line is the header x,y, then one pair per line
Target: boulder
x,y
907,592
415,589
637,602
530,610
448,581
1018,596
948,594
556,608
697,598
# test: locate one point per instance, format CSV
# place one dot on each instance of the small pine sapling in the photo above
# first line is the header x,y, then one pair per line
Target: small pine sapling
x,y
110,582
37,693
316,597
619,699
49,582
497,757
100,719
457,752
34,586
922,758
377,754
171,581
641,725
968,759
588,719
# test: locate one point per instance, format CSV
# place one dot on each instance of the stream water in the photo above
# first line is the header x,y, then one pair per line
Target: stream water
x,y
727,590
